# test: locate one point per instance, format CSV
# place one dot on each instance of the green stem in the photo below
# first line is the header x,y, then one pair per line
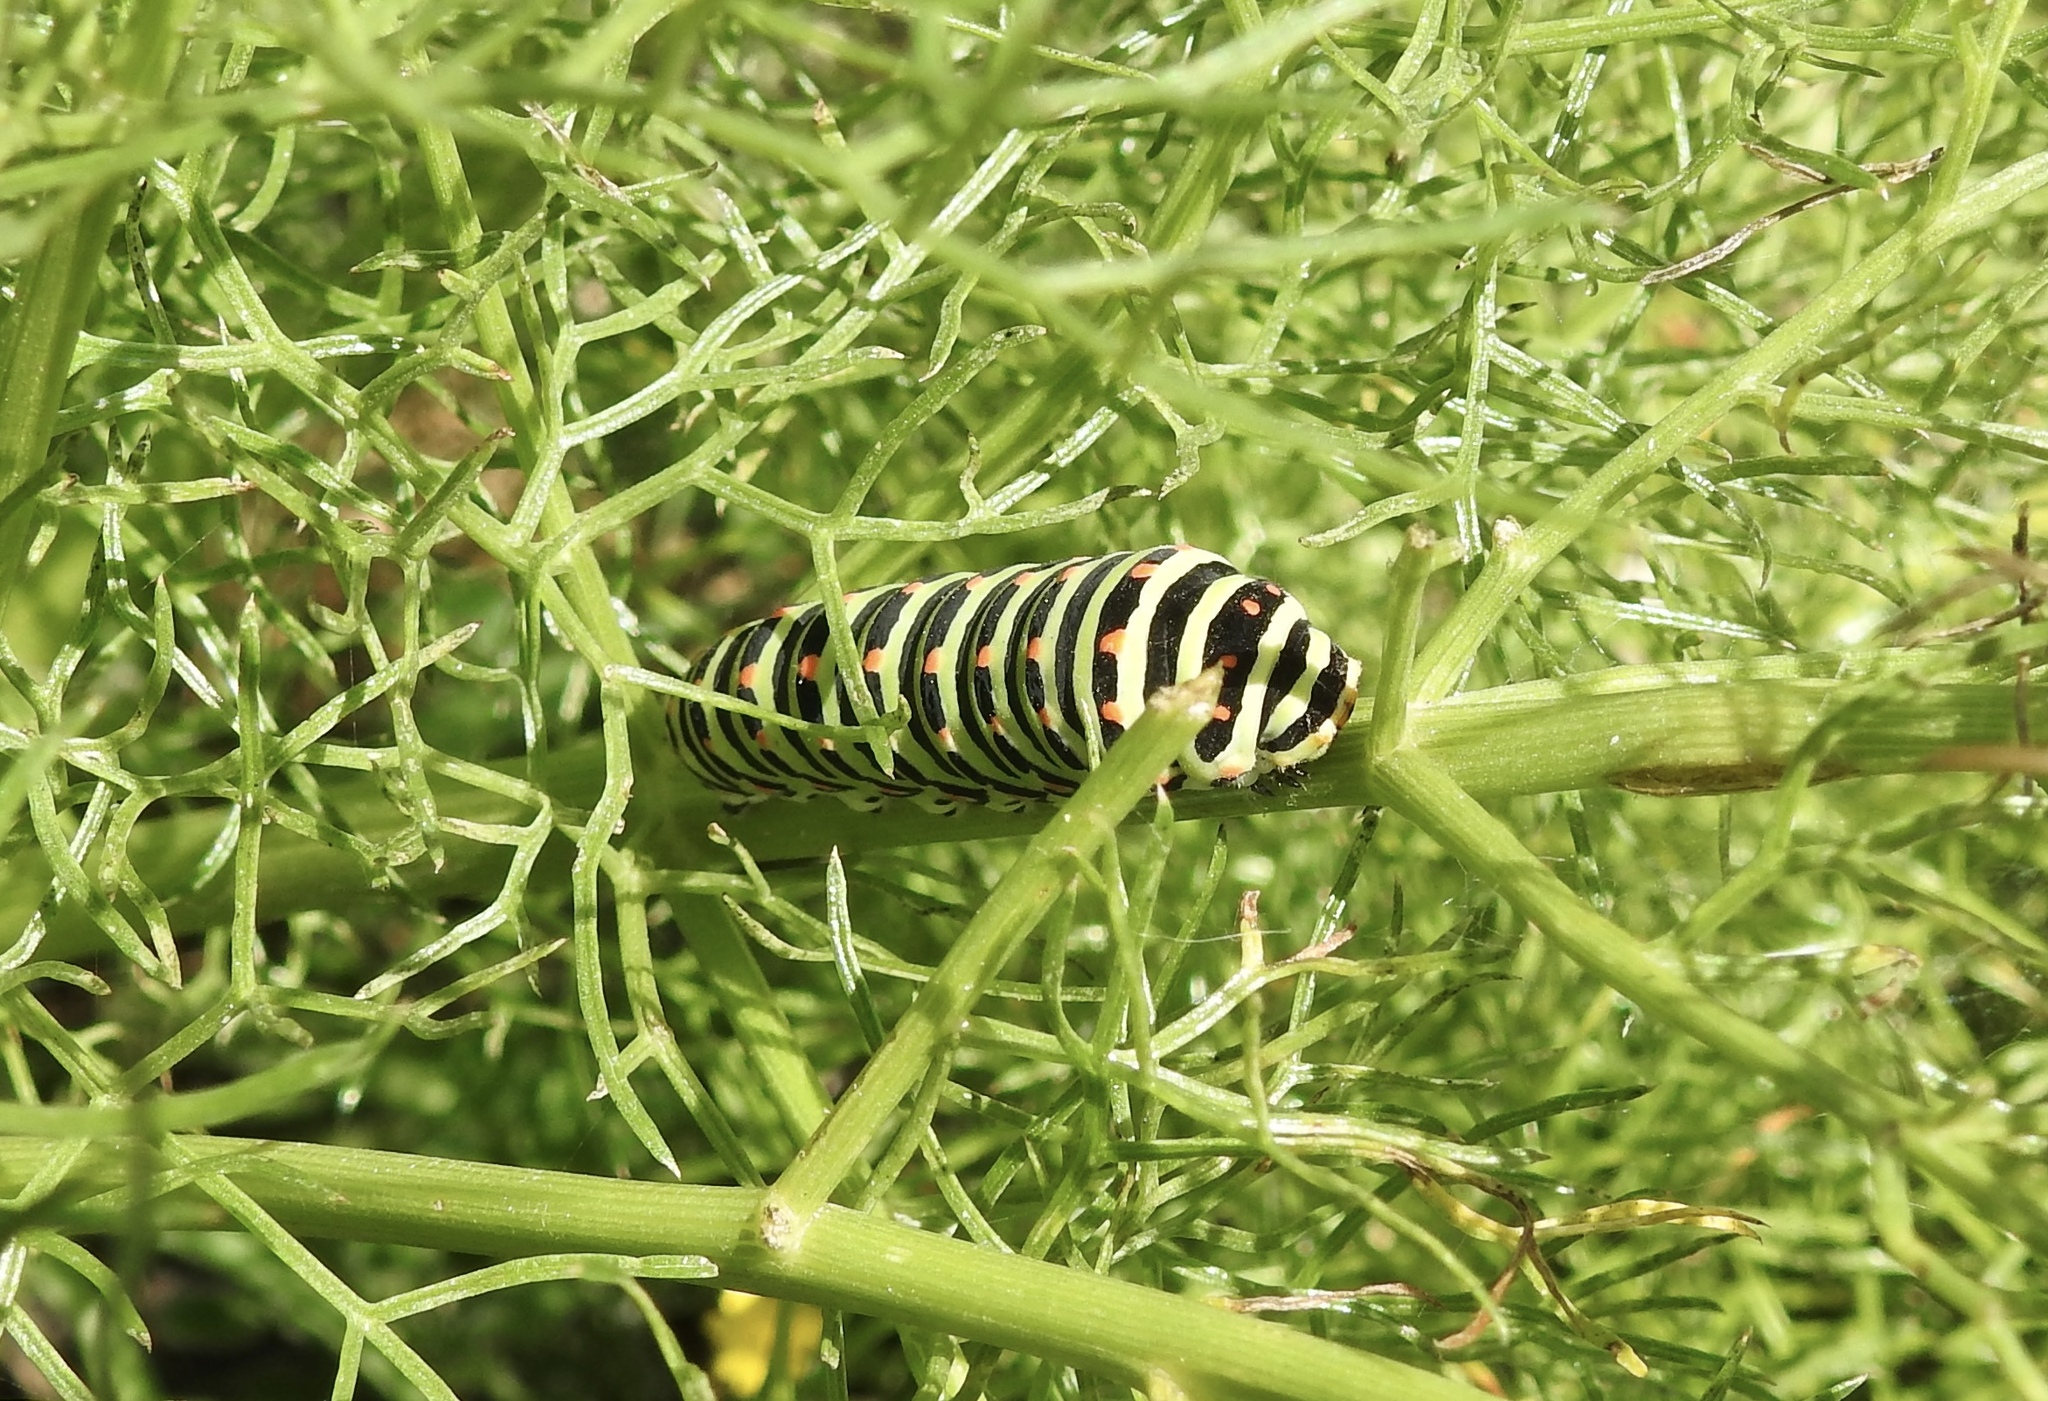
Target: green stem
x,y
1799,338
1666,730
774,1053
1013,909
1419,788
866,1264
1418,559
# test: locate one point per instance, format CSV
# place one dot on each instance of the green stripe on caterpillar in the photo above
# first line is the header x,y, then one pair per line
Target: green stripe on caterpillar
x,y
1015,681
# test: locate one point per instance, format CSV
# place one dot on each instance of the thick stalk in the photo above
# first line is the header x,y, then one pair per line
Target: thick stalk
x,y
1413,785
851,1260
1081,826
1664,730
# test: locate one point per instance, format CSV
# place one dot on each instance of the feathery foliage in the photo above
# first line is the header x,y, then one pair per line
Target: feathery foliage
x,y
397,393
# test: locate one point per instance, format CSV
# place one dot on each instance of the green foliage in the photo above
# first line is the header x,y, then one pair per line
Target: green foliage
x,y
394,395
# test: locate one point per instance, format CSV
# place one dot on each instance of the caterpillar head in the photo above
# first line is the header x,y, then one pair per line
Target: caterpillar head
x,y
1288,690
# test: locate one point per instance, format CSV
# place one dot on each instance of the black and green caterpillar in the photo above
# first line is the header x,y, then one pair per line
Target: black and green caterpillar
x,y
1016,680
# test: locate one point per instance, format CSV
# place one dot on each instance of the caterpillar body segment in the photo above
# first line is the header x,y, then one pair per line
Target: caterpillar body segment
x,y
1016,681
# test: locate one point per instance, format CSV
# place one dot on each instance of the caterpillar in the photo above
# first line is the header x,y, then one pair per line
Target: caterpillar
x,y
1015,682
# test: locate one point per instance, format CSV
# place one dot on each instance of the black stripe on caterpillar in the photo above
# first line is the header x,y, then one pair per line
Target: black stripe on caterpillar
x,y
1015,682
